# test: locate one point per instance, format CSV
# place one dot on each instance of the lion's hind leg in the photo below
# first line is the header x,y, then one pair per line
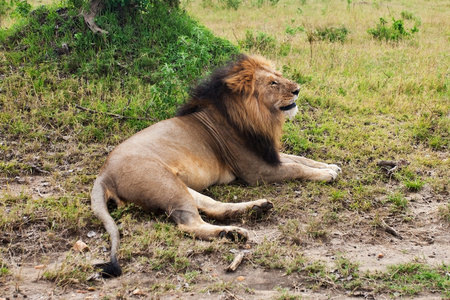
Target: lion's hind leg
x,y
200,229
169,193
221,211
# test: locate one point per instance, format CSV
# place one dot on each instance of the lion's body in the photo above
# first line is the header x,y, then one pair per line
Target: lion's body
x,y
230,128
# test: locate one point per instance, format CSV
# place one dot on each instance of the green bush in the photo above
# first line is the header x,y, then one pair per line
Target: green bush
x,y
394,32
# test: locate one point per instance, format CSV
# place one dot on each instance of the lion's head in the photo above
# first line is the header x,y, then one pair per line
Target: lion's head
x,y
253,97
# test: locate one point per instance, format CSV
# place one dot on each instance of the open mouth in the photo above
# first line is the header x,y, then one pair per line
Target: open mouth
x,y
288,107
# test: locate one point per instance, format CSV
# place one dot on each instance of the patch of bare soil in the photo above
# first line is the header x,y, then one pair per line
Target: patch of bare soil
x,y
422,237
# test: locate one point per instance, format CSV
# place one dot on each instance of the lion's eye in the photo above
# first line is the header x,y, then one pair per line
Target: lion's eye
x,y
274,83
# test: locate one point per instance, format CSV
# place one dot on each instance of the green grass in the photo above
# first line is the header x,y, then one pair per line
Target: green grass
x,y
143,83
361,101
411,278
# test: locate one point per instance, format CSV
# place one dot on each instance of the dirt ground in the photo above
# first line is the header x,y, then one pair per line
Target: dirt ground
x,y
426,239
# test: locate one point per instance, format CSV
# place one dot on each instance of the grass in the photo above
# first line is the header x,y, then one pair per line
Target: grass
x,y
361,101
411,278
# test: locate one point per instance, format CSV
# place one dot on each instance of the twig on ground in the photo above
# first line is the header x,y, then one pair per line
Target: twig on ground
x,y
37,170
390,230
391,165
233,295
237,41
120,117
236,262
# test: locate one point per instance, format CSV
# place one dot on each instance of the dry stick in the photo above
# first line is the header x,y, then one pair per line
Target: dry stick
x,y
394,165
237,41
233,295
387,163
391,230
120,117
236,262
126,106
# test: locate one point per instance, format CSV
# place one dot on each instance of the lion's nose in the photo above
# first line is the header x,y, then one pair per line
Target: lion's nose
x,y
296,92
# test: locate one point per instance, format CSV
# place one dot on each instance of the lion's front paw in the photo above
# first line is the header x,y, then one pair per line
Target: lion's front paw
x,y
235,234
334,168
333,174
326,175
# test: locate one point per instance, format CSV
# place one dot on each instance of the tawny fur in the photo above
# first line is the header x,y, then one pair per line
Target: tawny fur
x,y
230,128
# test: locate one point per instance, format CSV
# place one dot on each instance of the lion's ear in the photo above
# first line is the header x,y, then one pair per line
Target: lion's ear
x,y
241,79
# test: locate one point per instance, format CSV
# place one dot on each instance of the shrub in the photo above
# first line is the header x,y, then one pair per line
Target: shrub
x,y
395,32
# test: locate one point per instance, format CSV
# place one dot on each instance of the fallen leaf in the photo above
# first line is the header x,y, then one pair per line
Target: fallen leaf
x,y
138,292
80,246
40,267
240,278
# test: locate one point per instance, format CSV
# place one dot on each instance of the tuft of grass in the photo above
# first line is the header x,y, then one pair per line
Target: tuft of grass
x,y
399,201
414,185
234,4
3,269
316,229
258,41
270,254
286,295
432,130
411,180
444,212
74,270
331,34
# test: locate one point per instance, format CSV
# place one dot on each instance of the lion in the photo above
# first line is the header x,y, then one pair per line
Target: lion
x,y
230,128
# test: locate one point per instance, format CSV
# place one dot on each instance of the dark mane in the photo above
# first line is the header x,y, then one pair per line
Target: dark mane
x,y
215,92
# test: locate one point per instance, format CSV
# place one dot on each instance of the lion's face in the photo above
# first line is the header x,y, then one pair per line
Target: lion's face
x,y
276,92
259,100
265,92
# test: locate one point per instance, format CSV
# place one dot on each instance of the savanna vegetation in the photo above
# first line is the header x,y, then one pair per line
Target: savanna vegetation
x,y
375,100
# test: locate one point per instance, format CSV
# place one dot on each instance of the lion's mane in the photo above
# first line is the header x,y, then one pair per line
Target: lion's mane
x,y
230,91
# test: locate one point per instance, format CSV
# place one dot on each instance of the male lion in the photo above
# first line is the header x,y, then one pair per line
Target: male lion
x,y
230,128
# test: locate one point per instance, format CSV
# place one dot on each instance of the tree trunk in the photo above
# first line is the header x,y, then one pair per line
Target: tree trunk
x,y
95,7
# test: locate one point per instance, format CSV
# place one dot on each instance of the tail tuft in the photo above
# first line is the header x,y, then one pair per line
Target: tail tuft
x,y
111,270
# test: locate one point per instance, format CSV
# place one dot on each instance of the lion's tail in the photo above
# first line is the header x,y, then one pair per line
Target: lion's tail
x,y
98,204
